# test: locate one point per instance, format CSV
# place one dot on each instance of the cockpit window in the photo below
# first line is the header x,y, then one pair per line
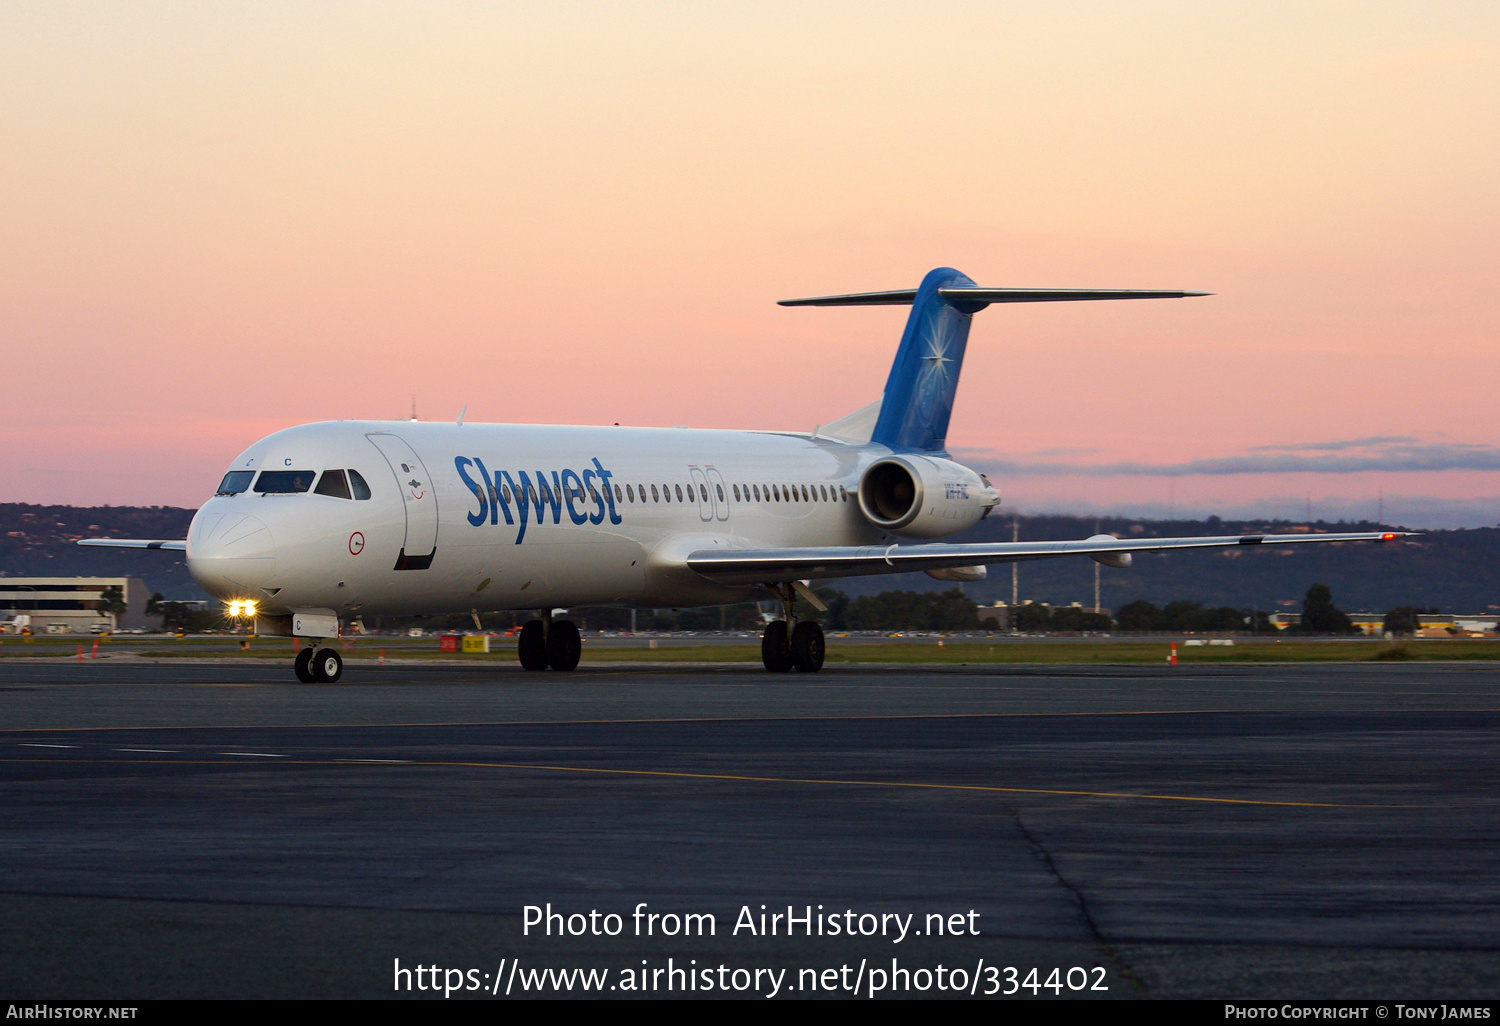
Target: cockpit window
x,y
281,482
333,483
234,482
361,490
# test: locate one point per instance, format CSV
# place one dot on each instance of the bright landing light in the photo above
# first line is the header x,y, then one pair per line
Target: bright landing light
x,y
242,609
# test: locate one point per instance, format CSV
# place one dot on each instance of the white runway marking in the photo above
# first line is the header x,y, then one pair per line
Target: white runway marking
x,y
30,744
255,755
156,751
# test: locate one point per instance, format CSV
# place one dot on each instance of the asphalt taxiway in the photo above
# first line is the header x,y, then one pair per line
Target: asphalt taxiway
x,y
1312,830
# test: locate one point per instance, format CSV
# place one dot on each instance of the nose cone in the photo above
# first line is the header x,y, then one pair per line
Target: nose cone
x,y
231,555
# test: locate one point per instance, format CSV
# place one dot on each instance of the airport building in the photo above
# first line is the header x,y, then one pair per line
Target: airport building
x,y
1002,615
1435,625
998,614
71,605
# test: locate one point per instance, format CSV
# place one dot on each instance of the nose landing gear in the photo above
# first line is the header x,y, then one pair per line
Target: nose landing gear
x,y
558,646
318,666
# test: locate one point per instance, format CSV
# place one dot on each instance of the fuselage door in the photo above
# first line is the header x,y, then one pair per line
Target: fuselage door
x,y
718,492
419,498
701,493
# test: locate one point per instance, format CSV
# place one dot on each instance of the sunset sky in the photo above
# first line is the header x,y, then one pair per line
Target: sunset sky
x,y
218,220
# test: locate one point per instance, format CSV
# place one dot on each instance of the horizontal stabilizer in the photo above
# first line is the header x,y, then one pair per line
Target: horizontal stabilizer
x,y
171,544
904,297
772,566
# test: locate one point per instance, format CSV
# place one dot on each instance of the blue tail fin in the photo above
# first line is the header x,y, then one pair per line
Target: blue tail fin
x,y
919,393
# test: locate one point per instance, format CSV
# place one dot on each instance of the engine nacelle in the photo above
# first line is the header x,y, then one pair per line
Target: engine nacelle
x,y
924,496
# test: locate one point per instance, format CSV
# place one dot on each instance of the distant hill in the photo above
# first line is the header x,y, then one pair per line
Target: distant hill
x,y
1457,571
38,541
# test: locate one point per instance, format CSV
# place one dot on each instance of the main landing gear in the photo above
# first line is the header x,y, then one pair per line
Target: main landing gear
x,y
791,643
318,665
558,645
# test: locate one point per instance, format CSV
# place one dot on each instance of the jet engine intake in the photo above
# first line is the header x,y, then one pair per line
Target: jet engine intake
x,y
923,496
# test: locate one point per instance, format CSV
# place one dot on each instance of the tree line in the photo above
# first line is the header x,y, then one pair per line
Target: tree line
x,y
949,610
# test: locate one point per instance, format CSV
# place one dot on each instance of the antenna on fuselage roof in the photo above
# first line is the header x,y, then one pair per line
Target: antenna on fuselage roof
x,y
414,407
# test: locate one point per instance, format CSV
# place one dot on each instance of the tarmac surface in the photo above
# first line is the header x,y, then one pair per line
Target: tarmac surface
x,y
218,830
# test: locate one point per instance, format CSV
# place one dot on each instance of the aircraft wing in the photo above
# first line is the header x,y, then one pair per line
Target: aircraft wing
x,y
770,566
172,544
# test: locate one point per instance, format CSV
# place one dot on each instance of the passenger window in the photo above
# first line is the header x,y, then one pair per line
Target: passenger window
x,y
357,485
756,490
736,493
234,482
654,496
824,492
619,496
333,483
284,482
630,493
679,493
703,491
720,489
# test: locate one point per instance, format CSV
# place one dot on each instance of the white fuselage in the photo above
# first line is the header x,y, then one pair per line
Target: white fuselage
x,y
620,511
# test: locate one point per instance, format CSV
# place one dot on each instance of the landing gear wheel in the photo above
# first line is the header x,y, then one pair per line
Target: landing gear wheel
x,y
807,646
327,666
775,651
564,646
303,666
532,646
